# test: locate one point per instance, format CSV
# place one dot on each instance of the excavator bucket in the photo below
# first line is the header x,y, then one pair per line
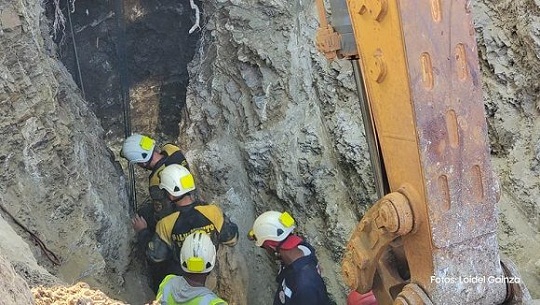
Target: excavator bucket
x,y
432,239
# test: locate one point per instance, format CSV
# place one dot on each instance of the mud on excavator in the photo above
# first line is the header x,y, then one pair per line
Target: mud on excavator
x,y
431,238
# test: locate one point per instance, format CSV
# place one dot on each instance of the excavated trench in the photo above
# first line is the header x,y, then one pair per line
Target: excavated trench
x,y
250,99
129,53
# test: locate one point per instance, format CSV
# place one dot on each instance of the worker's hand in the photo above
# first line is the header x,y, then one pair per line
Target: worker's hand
x,y
232,242
138,223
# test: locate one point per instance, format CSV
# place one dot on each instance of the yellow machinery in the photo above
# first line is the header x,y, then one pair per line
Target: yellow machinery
x,y
431,238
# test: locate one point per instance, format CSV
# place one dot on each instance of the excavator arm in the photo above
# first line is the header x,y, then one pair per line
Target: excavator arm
x,y
432,237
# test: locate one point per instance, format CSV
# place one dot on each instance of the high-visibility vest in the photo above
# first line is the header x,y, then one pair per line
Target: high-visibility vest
x,y
165,297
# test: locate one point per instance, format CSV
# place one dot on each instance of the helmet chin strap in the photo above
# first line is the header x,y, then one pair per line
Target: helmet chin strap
x,y
181,197
275,255
146,165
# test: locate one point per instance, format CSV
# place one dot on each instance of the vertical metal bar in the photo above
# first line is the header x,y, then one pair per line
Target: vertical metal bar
x,y
75,53
124,86
379,176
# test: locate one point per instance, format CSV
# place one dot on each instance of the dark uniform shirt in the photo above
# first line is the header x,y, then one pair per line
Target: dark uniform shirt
x,y
172,230
300,283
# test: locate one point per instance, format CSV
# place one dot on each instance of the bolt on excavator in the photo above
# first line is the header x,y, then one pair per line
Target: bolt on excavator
x,y
431,238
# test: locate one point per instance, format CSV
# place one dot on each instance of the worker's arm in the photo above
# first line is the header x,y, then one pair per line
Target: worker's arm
x,y
143,238
229,232
158,250
144,234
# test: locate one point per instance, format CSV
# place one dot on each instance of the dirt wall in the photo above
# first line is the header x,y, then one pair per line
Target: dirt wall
x,y
509,46
58,179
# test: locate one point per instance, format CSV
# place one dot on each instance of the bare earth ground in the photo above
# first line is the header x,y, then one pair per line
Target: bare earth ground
x,y
78,294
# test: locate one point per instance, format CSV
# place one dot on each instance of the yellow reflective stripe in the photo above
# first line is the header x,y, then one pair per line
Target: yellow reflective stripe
x,y
165,226
213,213
154,178
164,289
169,149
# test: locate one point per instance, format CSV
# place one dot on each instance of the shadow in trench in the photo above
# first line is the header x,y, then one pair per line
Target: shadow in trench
x,y
155,48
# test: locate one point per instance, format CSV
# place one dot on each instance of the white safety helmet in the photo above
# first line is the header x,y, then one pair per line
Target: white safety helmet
x,y
198,253
138,148
177,180
272,225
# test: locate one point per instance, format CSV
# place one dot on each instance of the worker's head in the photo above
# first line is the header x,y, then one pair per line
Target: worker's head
x,y
177,181
198,253
138,149
272,231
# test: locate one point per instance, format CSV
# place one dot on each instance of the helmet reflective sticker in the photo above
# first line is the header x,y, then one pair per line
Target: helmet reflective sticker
x,y
146,143
187,182
286,220
195,264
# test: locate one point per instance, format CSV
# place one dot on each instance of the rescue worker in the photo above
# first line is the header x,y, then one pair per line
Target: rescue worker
x,y
299,280
141,150
191,215
197,258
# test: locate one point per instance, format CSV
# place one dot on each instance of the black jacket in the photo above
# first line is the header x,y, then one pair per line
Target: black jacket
x,y
172,230
300,283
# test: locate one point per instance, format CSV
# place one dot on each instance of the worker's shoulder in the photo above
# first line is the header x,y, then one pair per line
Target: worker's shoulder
x,y
173,155
218,301
212,299
168,278
208,207
170,148
169,220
